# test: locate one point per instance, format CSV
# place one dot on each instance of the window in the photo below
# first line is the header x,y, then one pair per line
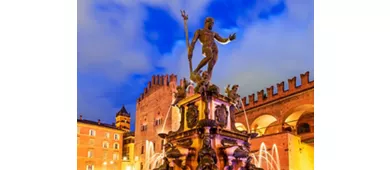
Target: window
x,y
144,127
116,146
90,154
104,154
115,156
116,136
91,142
105,144
303,128
92,132
142,150
90,167
107,135
157,122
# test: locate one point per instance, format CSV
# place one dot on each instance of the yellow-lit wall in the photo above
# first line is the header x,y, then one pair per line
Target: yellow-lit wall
x,y
301,155
130,163
123,122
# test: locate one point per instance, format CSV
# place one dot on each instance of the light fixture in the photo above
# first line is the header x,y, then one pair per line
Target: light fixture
x,y
104,163
125,158
111,162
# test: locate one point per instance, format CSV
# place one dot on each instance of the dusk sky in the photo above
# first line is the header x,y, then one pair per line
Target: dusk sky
x,y
122,43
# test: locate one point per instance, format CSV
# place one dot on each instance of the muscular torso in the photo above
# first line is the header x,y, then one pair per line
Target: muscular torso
x,y
206,37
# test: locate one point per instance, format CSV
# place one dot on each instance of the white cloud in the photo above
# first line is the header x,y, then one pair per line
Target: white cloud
x,y
267,53
113,53
116,53
194,8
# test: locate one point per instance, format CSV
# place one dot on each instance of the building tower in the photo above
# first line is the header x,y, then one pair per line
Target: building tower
x,y
122,119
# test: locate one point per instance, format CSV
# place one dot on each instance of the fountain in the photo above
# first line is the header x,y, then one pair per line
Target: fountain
x,y
153,159
206,138
272,161
165,119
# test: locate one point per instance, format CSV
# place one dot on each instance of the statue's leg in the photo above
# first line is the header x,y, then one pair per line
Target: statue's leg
x,y
209,55
212,63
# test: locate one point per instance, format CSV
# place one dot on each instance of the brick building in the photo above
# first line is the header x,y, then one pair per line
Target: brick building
x,y
151,109
282,116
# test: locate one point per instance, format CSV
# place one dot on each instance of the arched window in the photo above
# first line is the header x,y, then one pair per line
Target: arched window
x,y
90,167
116,136
90,154
92,132
105,144
303,128
116,146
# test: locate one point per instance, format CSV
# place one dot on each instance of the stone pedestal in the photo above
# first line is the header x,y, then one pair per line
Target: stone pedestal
x,y
206,137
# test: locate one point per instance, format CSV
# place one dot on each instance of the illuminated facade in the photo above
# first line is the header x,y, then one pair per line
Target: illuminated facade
x,y
283,117
102,146
128,161
98,146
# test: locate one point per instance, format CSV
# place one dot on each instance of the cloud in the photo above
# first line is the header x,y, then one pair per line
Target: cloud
x,y
109,41
110,33
265,53
112,48
195,9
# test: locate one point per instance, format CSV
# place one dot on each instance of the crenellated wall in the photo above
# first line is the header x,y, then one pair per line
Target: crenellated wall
x,y
280,105
271,96
156,83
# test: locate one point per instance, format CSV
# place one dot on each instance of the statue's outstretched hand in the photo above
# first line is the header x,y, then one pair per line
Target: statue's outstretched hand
x,y
232,36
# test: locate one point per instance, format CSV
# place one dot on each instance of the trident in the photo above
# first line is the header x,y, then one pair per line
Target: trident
x,y
185,18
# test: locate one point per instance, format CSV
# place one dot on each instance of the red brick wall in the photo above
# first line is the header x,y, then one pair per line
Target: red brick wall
x,y
281,104
281,141
157,97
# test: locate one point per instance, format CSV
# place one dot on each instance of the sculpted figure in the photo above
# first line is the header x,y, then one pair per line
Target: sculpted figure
x,y
165,165
181,92
209,48
233,94
203,83
249,165
207,158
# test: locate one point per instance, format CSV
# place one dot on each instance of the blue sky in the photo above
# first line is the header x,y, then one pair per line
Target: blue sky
x,y
121,44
